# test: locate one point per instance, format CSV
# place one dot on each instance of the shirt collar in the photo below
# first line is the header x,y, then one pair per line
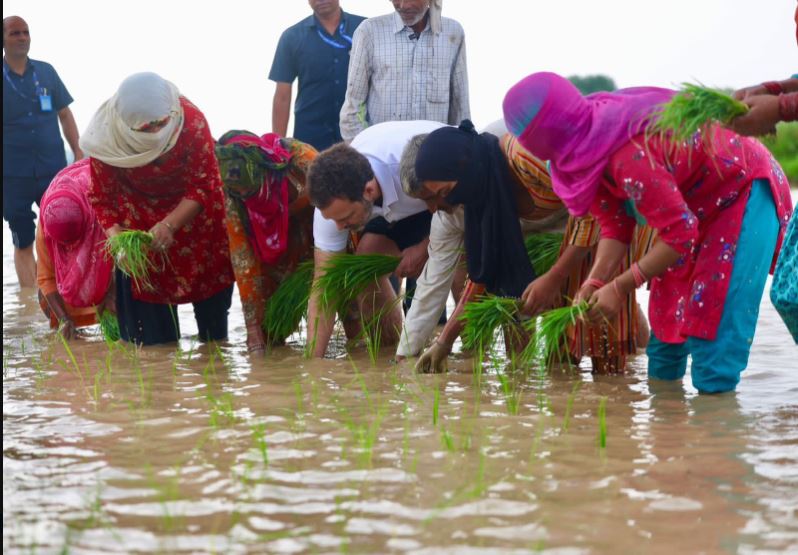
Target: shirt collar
x,y
311,20
28,67
399,25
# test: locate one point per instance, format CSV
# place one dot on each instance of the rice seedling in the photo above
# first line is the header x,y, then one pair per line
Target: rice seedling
x,y
543,250
548,334
602,418
693,108
569,406
109,325
259,439
73,359
372,327
300,408
310,342
346,276
447,440
482,318
131,251
436,401
510,391
288,305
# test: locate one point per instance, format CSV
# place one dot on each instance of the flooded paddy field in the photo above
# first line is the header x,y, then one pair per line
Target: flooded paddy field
x,y
202,449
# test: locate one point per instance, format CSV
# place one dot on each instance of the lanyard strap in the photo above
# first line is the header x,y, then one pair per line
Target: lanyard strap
x,y
335,43
13,86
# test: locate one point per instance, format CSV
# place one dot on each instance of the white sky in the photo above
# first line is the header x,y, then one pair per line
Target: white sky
x,y
219,53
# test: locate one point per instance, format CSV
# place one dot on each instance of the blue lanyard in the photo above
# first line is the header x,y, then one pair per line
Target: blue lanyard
x,y
331,42
37,89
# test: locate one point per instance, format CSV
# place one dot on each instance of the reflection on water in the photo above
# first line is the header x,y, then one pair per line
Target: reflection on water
x,y
206,450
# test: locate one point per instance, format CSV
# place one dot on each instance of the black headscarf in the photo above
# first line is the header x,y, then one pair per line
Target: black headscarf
x,y
495,250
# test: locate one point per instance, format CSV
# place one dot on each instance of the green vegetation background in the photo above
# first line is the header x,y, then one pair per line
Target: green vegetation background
x,y
784,146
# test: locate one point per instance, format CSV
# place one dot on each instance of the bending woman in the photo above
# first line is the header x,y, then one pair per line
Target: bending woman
x,y
500,183
269,218
73,270
153,169
719,203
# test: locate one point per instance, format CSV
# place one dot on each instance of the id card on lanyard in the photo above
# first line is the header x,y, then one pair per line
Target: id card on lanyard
x,y
45,99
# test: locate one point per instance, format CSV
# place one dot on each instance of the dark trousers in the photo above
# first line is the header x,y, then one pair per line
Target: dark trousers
x,y
146,323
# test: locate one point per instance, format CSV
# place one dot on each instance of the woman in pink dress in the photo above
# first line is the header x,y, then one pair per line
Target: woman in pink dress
x,y
720,204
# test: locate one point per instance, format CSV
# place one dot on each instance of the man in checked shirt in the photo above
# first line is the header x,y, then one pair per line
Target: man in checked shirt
x,y
407,65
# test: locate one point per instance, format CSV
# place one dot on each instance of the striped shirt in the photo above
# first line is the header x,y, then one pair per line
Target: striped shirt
x,y
395,78
531,172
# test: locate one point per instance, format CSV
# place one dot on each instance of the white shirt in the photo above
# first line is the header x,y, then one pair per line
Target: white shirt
x,y
393,77
382,145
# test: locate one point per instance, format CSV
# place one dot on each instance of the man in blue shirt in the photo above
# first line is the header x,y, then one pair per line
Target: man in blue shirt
x,y
315,50
34,101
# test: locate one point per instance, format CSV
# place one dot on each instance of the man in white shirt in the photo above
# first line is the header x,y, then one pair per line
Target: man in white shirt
x,y
351,186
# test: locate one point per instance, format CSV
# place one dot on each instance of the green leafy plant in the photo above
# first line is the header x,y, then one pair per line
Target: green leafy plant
x,y
131,252
346,276
543,250
109,325
289,304
482,317
693,108
549,332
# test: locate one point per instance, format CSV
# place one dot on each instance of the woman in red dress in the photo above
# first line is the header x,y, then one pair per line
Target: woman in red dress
x,y
153,168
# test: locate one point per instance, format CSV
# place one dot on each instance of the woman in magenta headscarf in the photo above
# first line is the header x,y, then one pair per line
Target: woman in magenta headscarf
x,y
719,203
74,273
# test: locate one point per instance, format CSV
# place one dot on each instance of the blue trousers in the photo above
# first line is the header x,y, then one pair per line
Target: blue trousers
x,y
717,364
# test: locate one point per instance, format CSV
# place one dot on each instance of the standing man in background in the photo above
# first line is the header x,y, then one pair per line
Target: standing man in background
x,y
315,50
407,65
34,101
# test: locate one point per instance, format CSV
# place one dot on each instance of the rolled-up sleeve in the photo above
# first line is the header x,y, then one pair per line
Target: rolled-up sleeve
x,y
434,283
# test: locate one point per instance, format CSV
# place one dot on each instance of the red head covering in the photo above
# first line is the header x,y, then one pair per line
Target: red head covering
x,y
75,238
65,219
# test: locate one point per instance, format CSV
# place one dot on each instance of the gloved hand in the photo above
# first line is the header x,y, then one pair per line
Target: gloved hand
x,y
433,359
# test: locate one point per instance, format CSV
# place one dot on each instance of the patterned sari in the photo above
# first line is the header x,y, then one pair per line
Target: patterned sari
x,y
256,279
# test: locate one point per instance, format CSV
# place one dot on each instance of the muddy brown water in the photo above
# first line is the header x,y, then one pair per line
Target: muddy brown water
x,y
207,450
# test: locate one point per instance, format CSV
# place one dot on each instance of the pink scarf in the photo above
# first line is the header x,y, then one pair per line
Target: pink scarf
x,y
268,209
75,238
576,133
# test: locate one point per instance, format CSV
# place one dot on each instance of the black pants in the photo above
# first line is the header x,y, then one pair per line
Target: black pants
x,y
146,323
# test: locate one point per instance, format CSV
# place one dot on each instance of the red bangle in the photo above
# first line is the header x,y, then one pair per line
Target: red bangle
x,y
788,106
773,87
637,273
594,282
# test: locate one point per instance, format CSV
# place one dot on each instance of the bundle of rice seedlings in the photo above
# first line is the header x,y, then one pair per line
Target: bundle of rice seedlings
x,y
346,276
693,109
289,304
482,317
549,332
130,251
543,250
109,325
